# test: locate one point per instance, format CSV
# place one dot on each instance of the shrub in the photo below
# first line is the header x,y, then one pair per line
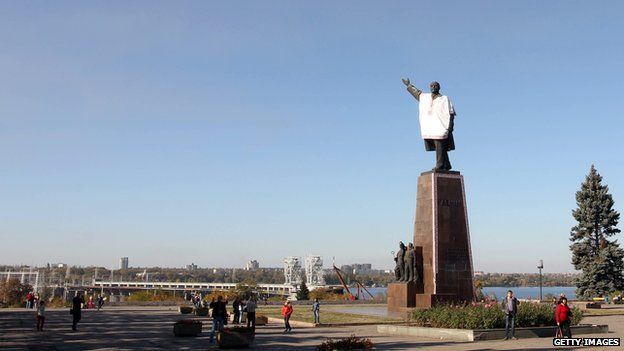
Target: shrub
x,y
577,316
488,316
58,302
152,295
350,343
225,294
13,292
326,295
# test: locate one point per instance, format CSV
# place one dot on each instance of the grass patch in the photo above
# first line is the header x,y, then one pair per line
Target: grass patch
x,y
304,314
603,312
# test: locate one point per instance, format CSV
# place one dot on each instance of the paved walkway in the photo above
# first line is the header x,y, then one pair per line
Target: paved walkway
x,y
151,329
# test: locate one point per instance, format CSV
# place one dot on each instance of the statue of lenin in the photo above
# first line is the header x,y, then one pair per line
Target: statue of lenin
x,y
436,115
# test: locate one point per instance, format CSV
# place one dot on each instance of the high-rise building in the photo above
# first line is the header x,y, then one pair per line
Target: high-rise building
x,y
357,268
123,263
362,268
252,265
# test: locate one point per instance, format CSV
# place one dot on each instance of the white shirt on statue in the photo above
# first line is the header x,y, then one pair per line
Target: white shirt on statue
x,y
435,116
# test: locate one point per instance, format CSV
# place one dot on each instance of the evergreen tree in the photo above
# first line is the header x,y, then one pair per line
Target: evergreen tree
x,y
303,293
600,260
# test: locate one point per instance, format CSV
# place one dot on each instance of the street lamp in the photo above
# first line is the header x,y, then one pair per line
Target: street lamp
x,y
540,267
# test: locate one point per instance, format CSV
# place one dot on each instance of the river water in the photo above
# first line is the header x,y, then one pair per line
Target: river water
x,y
521,292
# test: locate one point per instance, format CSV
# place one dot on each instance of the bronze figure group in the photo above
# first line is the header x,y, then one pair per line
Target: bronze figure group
x,y
405,258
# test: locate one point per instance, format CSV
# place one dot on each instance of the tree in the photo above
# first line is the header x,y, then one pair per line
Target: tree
x,y
478,287
247,289
303,293
13,292
601,260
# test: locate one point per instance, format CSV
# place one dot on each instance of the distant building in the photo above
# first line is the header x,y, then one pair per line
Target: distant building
x,y
357,268
252,265
123,263
478,273
362,268
191,267
347,268
56,265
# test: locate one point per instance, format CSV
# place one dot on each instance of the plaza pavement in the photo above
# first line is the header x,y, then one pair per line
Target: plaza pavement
x,y
136,328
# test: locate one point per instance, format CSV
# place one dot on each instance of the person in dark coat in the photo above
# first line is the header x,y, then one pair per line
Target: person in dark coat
x,y
100,302
219,315
77,302
236,310
510,307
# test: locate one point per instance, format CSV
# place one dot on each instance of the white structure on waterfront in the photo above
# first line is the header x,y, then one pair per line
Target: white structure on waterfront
x,y
292,271
314,270
117,286
252,265
123,263
32,278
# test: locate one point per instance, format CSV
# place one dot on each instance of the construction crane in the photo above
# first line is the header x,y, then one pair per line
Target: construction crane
x,y
360,287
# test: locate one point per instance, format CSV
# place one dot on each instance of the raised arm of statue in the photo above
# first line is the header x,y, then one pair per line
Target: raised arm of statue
x,y
412,89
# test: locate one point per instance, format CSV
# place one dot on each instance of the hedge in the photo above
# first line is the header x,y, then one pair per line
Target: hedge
x,y
489,316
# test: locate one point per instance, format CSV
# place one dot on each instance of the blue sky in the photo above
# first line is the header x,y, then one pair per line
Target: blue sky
x,y
215,132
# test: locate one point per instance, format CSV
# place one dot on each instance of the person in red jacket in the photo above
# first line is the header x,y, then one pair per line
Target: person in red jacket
x,y
562,317
287,310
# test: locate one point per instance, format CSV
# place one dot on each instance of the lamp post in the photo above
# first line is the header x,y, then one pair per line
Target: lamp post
x,y
540,267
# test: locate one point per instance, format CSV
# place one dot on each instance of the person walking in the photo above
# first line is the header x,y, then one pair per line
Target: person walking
x,y
32,300
241,310
29,298
100,302
75,311
510,307
251,313
562,317
219,314
236,310
40,315
287,311
316,307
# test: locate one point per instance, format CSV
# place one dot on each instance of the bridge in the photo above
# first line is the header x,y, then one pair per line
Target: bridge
x,y
269,289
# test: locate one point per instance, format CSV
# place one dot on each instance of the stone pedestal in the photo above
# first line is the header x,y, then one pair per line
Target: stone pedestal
x,y
441,229
442,244
401,296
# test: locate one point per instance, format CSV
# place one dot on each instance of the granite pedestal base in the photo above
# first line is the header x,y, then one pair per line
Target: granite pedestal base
x,y
401,296
442,245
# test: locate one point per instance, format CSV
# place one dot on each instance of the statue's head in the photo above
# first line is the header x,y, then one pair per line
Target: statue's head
x,y
410,245
401,245
435,87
